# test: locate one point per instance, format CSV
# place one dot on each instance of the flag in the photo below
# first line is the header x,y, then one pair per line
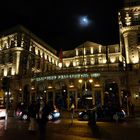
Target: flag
x,y
107,50
60,56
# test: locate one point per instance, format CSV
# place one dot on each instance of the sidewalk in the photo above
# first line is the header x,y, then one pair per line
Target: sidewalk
x,y
60,129
77,128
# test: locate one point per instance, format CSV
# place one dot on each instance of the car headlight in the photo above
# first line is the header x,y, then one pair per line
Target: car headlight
x,y
123,112
80,113
50,117
55,110
56,114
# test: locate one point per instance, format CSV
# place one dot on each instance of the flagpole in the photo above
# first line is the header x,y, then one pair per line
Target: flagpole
x,y
107,58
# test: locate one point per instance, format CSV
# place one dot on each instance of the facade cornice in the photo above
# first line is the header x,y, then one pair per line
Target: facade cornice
x,y
20,28
132,8
129,28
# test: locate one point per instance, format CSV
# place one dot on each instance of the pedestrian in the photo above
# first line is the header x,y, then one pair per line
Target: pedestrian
x,y
41,116
32,117
132,110
72,109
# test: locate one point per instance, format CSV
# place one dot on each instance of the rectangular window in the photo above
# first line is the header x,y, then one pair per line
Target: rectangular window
x,y
88,52
80,52
9,71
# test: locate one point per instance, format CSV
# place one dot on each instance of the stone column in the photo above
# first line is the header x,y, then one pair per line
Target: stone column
x,y
120,96
17,62
102,97
126,47
53,96
68,101
47,96
76,101
93,96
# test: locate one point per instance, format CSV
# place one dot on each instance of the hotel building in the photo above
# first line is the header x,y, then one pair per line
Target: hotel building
x,y
89,74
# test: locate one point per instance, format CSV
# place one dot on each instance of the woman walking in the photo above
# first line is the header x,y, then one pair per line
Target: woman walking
x,y
32,117
42,113
72,112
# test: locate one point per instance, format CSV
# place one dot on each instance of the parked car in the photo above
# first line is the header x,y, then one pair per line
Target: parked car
x,y
110,113
2,111
22,112
104,114
54,113
85,114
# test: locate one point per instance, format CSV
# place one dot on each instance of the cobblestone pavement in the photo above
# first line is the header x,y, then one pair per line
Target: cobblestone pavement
x,y
79,130
60,129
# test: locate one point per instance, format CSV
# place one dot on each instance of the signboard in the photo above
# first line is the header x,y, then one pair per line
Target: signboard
x,y
66,76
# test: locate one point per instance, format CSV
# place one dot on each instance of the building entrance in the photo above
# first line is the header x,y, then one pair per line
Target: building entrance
x,y
111,95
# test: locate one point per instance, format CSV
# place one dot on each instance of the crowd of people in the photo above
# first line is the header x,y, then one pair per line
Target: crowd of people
x,y
38,113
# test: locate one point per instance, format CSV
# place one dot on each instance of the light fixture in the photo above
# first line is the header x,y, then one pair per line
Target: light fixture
x,y
20,89
32,88
71,86
90,80
60,65
49,87
80,81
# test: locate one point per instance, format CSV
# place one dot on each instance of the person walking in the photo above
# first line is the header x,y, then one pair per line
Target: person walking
x,y
72,112
32,117
41,116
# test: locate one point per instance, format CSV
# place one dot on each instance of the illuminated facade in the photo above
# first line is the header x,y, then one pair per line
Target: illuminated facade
x,y
129,25
102,75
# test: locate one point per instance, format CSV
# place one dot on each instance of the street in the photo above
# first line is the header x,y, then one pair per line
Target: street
x,y
79,130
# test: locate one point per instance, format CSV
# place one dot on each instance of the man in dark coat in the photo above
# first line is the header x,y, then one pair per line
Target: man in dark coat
x,y
41,116
32,116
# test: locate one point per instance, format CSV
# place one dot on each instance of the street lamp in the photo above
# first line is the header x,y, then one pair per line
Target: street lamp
x,y
90,80
80,81
45,92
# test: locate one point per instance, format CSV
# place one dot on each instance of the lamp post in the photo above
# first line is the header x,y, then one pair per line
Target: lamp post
x,y
45,92
80,81
7,95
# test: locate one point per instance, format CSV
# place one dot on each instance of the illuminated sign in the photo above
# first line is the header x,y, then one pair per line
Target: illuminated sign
x,y
70,76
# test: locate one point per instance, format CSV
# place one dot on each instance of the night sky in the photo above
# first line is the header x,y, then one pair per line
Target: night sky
x,y
64,23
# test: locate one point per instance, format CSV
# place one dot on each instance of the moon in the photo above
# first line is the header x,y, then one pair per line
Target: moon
x,y
84,21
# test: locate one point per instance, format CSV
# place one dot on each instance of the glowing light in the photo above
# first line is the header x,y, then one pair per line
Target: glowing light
x,y
20,89
32,88
80,81
97,85
49,87
60,65
90,80
74,63
112,59
71,86
84,21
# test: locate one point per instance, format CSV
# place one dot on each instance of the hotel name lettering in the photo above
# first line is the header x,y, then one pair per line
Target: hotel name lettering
x,y
70,76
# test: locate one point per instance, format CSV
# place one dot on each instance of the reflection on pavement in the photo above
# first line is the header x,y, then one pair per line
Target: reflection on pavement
x,y
2,122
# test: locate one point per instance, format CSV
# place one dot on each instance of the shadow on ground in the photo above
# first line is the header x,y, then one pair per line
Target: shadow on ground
x,y
99,133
